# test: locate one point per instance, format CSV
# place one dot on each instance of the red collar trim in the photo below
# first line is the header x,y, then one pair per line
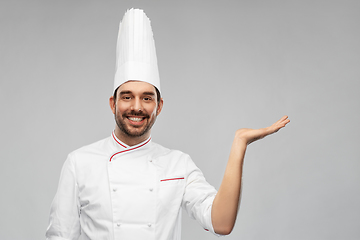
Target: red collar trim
x,y
130,149
116,140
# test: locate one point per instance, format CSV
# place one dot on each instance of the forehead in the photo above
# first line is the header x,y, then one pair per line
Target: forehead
x,y
137,87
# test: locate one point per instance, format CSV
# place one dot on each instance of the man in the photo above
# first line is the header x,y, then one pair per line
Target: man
x,y
126,186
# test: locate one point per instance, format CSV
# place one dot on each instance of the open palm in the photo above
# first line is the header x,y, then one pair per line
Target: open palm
x,y
251,135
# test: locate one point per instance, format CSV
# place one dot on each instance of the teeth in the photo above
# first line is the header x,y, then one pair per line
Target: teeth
x,y
135,119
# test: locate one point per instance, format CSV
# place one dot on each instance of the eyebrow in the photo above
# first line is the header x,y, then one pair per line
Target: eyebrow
x,y
149,93
130,92
124,92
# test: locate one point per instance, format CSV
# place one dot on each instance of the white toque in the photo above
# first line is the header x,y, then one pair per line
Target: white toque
x,y
135,50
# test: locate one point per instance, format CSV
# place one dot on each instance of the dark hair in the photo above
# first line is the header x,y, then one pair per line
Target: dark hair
x,y
158,96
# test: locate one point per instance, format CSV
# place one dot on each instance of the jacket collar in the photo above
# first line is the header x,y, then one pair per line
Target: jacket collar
x,y
117,142
122,147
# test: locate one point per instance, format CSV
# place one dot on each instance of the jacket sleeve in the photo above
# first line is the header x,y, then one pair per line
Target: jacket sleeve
x,y
199,196
64,222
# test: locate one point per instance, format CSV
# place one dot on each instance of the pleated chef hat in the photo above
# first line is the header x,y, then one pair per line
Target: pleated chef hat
x,y
135,50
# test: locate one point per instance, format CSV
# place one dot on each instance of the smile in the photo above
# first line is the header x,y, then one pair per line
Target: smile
x,y
135,119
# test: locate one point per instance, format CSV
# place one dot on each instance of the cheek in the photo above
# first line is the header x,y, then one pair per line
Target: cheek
x,y
120,108
153,111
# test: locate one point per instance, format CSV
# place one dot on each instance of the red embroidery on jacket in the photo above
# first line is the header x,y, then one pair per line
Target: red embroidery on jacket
x,y
169,179
117,140
129,149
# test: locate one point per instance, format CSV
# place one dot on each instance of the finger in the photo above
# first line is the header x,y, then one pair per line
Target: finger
x,y
280,121
283,118
286,120
283,124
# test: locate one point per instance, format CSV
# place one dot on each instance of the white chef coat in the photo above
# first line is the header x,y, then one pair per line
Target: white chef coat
x,y
109,190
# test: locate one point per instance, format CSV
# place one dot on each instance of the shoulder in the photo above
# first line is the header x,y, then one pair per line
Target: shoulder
x,y
97,149
163,152
170,157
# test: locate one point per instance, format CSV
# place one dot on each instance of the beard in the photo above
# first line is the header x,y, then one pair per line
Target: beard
x,y
133,131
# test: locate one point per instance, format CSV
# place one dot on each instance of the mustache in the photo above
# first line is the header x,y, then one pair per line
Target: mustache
x,y
136,113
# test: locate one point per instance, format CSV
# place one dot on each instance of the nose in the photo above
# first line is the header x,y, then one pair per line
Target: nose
x,y
137,105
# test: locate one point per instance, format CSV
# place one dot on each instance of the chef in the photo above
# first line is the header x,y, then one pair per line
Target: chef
x,y
128,187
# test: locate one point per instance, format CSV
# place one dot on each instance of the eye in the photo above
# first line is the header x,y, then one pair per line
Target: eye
x,y
147,99
126,97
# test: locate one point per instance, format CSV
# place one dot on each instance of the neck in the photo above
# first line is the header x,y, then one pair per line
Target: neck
x,y
130,140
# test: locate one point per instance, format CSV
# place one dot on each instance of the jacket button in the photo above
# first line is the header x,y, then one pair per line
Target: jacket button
x,y
118,224
149,224
114,189
151,189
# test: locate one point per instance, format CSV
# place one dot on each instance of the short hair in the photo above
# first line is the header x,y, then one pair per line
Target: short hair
x,y
158,95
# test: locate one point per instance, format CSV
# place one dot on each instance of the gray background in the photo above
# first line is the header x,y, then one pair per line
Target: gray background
x,y
224,65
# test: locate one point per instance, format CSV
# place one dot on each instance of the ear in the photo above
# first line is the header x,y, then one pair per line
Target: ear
x,y
112,104
160,106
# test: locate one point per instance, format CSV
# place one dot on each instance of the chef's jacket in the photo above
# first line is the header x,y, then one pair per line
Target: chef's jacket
x,y
109,190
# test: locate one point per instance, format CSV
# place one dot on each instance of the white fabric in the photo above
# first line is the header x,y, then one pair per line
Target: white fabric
x,y
109,190
135,51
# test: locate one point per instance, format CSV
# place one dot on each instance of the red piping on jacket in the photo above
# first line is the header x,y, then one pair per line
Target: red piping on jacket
x,y
117,140
129,149
169,179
